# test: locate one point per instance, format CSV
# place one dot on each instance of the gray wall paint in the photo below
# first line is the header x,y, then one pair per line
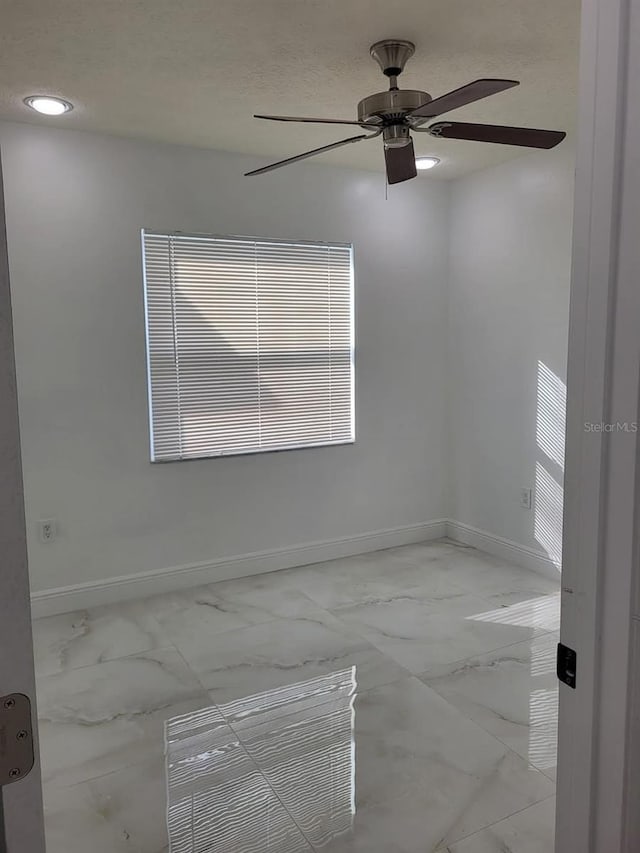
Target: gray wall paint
x,y
75,205
509,276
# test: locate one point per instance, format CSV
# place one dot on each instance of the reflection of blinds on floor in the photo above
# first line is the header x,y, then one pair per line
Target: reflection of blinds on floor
x,y
249,344
274,764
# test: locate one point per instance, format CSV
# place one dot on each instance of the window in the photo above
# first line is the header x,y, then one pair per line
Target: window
x,y
249,344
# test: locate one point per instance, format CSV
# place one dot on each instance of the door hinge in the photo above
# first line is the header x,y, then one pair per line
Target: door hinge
x,y
16,738
566,665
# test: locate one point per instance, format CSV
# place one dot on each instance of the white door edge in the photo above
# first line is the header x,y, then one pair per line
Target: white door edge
x,y
23,829
600,467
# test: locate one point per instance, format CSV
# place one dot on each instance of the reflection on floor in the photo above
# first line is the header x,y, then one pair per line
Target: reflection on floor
x,y
302,739
397,702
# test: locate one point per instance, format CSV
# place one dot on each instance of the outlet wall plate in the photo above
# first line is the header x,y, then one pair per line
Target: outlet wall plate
x,y
47,529
525,498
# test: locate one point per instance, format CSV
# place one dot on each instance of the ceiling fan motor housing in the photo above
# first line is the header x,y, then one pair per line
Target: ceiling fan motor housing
x,y
392,106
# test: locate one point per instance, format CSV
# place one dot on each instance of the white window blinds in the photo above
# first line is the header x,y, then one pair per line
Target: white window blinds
x,y
249,344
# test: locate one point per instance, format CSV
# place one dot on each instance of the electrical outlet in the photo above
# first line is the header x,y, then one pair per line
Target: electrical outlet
x,y
47,529
525,498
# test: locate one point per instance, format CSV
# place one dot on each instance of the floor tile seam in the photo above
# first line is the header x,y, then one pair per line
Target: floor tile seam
x,y
139,654
149,757
464,588
445,848
349,631
171,643
205,690
497,606
261,576
469,719
525,758
259,767
456,663
315,601
434,609
545,772
494,737
461,660
360,641
407,595
504,743
113,827
187,591
86,783
263,776
404,675
309,594
225,631
426,682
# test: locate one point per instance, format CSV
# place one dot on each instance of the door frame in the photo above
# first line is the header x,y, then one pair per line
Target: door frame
x,y
601,506
21,816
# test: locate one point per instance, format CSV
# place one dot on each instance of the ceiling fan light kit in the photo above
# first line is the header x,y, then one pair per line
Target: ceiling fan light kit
x,y
426,163
396,113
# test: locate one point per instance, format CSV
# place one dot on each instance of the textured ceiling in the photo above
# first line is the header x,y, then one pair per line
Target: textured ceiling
x,y
194,71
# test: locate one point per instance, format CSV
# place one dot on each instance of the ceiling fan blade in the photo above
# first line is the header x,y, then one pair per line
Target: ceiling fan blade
x,y
401,163
529,137
464,95
311,153
320,120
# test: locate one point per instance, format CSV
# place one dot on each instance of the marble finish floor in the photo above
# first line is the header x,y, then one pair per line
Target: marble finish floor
x,y
397,702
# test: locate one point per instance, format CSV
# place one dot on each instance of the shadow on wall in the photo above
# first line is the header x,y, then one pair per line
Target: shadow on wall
x,y
549,480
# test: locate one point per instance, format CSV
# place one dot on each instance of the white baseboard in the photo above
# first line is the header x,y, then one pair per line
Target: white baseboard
x,y
82,596
94,593
528,558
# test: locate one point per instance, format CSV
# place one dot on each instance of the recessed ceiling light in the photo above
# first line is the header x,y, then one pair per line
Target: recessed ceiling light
x,y
48,106
426,162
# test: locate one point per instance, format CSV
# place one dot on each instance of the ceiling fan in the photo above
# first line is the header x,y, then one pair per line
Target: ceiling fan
x,y
398,112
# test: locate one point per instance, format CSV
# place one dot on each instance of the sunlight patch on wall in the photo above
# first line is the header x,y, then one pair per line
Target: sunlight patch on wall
x,y
548,514
550,439
551,414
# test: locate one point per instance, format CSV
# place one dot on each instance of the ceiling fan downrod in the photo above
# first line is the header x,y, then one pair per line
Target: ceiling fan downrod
x,y
392,55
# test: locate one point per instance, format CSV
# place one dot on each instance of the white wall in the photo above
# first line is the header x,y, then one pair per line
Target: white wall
x,y
75,205
509,274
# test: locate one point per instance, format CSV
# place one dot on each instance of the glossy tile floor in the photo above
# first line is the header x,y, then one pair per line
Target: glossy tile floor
x,y
397,702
